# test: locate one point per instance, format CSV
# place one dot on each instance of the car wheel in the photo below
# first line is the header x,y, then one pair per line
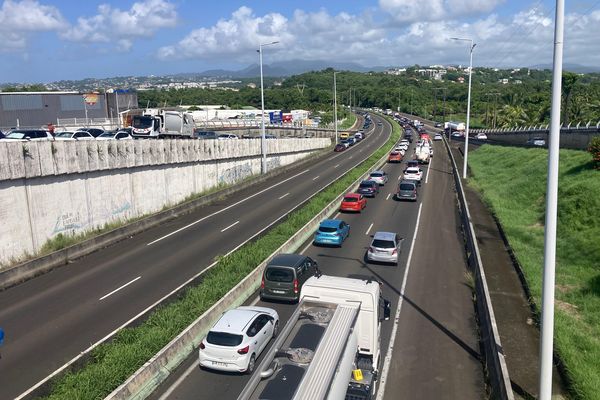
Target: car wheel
x,y
276,329
251,364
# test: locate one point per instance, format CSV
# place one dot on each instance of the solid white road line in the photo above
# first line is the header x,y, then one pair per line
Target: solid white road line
x,y
178,382
234,224
388,356
119,288
226,208
368,230
428,169
283,196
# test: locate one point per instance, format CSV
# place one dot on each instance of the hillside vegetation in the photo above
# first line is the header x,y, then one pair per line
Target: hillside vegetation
x,y
514,186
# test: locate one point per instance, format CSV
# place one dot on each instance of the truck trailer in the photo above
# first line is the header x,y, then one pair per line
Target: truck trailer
x,y
162,124
329,348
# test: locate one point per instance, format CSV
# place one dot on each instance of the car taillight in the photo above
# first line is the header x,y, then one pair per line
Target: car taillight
x,y
262,283
202,346
395,251
371,250
244,350
295,285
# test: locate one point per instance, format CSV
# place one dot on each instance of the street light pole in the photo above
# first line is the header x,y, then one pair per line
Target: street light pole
x,y
547,326
471,47
262,102
335,106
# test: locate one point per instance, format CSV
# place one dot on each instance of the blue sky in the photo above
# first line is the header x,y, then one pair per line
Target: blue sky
x,y
45,40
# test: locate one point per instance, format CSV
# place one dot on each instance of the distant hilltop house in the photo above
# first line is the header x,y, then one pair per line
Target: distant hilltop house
x,y
395,71
36,109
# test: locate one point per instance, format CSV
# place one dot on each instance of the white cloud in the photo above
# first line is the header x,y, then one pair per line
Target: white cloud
x,y
435,10
306,35
18,19
523,39
143,19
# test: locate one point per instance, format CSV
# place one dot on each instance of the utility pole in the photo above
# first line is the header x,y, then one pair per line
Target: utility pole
x,y
547,325
335,107
495,100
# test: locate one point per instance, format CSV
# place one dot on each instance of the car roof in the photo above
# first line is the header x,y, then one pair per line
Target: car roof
x,y
234,320
368,182
384,236
357,195
378,171
408,181
331,223
287,260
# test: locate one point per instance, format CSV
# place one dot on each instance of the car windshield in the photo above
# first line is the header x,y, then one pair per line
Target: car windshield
x,y
350,199
412,171
142,122
279,275
366,184
108,134
327,229
64,134
15,135
376,175
224,339
383,244
407,186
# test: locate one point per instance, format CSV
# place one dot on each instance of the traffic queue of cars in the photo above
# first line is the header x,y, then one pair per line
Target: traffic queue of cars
x,y
26,135
239,337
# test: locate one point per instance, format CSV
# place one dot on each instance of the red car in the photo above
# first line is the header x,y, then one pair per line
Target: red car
x,y
353,202
339,147
395,156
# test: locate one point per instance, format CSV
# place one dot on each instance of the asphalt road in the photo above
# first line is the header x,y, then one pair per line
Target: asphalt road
x,y
433,350
52,318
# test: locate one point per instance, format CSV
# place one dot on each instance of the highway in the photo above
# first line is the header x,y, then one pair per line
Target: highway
x,y
430,347
52,318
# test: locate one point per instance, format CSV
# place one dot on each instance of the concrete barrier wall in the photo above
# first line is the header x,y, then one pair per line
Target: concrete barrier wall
x,y
49,188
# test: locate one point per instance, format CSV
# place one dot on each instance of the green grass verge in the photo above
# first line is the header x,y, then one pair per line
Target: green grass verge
x,y
513,184
348,122
112,363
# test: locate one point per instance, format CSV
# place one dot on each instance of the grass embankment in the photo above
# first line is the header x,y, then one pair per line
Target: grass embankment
x,y
348,122
112,363
513,183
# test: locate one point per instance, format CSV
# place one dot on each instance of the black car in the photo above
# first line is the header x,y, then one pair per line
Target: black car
x,y
206,134
339,147
368,188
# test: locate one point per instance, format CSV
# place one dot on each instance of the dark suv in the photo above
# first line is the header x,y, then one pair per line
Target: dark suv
x,y
284,275
368,188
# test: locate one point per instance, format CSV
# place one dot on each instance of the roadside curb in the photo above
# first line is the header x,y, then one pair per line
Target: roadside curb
x,y
147,378
22,272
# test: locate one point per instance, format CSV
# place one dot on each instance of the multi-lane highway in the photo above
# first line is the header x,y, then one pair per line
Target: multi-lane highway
x,y
430,348
52,318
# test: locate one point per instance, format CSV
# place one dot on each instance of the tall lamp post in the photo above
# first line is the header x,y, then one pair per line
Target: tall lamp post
x,y
335,106
262,102
471,47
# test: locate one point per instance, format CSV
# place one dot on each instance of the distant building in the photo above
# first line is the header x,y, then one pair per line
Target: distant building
x,y
503,81
460,79
252,85
37,109
436,74
395,71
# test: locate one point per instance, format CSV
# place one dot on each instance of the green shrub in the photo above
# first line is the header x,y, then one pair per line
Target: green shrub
x,y
594,148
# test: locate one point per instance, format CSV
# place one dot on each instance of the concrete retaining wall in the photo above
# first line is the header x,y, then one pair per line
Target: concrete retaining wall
x,y
49,188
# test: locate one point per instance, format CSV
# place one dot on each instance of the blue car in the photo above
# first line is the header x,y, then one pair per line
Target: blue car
x,y
332,232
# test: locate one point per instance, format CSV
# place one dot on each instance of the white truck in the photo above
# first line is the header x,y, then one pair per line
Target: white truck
x,y
330,347
451,127
422,153
159,123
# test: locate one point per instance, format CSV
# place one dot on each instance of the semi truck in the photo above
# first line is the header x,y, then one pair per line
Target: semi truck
x,y
450,127
160,123
329,348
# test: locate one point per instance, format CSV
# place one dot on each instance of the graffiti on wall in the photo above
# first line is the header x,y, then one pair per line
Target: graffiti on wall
x,y
69,221
232,175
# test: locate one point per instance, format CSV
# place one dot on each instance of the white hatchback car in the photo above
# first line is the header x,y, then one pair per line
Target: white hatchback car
x,y
413,174
238,338
73,135
379,176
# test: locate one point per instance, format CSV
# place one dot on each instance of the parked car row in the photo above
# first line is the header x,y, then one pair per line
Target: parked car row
x,y
24,135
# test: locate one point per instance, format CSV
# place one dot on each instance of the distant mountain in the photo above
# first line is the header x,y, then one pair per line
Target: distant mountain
x,y
285,68
577,68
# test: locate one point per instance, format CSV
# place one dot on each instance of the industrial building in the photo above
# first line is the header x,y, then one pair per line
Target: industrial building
x,y
37,109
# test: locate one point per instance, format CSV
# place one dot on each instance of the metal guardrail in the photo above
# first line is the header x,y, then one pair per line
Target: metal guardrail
x,y
588,128
497,370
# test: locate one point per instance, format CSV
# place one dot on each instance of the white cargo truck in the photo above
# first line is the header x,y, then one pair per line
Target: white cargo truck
x,y
161,124
329,348
423,153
